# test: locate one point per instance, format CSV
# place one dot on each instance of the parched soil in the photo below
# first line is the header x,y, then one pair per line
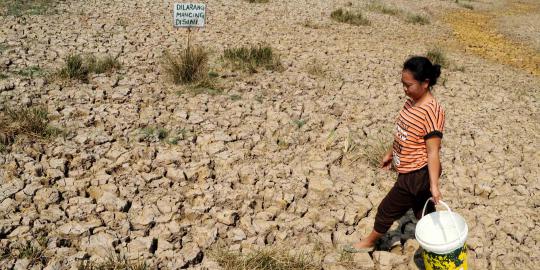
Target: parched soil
x,y
163,174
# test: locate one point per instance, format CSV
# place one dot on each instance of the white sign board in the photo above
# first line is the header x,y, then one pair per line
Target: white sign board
x,y
189,14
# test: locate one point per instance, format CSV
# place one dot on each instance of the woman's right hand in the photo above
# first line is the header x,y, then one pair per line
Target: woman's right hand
x,y
436,194
386,160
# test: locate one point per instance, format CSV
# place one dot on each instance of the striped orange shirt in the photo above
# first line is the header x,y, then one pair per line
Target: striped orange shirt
x,y
413,126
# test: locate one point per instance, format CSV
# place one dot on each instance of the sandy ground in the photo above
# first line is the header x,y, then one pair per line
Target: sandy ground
x,y
521,25
245,173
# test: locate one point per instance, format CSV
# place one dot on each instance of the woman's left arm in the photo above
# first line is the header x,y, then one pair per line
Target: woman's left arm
x,y
433,145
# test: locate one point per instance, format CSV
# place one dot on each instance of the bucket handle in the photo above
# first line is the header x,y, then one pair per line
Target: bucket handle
x,y
447,207
431,199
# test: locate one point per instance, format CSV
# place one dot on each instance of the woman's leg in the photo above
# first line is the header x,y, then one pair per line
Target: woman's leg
x,y
396,203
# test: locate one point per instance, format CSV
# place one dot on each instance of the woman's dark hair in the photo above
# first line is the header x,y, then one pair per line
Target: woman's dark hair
x,y
422,69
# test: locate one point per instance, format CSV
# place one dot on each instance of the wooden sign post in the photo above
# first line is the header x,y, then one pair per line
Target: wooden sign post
x,y
189,15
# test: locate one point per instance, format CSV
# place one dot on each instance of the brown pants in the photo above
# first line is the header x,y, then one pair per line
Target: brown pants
x,y
410,191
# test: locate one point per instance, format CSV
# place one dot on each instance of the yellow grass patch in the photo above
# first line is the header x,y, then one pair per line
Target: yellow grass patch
x,y
475,30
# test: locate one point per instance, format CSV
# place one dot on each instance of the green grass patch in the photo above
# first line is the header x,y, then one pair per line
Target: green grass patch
x,y
235,97
3,76
27,7
253,57
78,67
153,134
417,19
345,16
156,134
159,134
265,259
31,71
213,74
258,1
437,56
162,133
299,123
75,68
174,141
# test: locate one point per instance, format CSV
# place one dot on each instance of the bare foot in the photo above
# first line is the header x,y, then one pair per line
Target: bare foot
x,y
369,241
365,243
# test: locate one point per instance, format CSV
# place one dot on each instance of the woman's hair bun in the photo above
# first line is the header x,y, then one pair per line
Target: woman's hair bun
x,y
435,73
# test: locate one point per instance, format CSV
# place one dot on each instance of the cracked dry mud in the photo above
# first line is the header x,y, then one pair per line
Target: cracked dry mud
x,y
278,158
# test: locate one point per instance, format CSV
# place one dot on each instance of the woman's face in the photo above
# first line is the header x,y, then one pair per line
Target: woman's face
x,y
413,88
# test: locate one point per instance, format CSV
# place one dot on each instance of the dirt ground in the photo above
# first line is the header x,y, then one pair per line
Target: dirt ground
x,y
279,158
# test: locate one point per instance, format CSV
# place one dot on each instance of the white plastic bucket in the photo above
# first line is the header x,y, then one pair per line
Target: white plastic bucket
x,y
441,232
442,235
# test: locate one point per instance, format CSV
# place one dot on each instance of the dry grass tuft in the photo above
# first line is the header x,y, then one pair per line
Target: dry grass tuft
x,y
437,56
253,57
79,67
28,122
312,25
354,18
465,5
417,19
102,65
115,261
384,9
315,68
33,251
346,259
152,134
190,66
265,259
374,152
75,68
